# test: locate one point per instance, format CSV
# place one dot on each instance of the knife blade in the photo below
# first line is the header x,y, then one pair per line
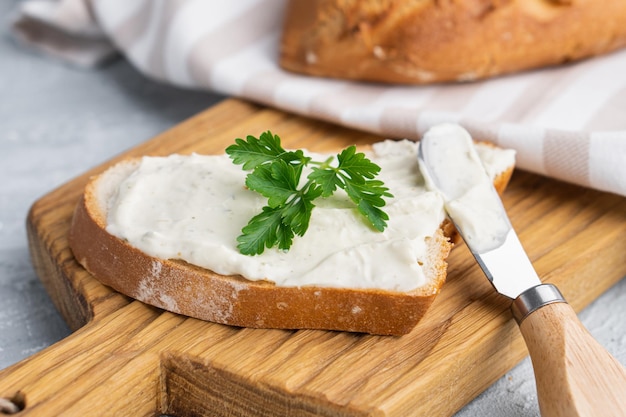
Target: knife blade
x,y
500,254
575,375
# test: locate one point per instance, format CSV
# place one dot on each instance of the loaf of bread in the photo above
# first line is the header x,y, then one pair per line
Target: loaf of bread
x,y
180,287
427,41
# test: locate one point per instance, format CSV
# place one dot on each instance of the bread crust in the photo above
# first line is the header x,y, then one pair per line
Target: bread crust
x,y
428,41
180,287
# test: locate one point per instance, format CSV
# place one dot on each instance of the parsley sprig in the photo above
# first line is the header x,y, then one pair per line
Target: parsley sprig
x,y
275,173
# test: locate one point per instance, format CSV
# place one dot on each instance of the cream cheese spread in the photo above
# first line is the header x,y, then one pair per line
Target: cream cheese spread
x,y
463,173
193,207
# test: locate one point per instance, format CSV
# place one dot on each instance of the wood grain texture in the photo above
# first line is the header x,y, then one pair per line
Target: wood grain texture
x,y
576,376
127,358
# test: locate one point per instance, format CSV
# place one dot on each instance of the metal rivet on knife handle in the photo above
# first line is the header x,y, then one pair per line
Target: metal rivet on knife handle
x,y
535,298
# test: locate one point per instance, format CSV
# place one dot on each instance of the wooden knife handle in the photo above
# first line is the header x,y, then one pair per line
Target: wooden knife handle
x,y
575,375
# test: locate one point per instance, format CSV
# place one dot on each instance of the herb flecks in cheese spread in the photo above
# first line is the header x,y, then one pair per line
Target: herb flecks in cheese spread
x,y
193,207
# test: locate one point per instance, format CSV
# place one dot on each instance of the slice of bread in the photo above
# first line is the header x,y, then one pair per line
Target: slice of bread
x,y
428,41
180,287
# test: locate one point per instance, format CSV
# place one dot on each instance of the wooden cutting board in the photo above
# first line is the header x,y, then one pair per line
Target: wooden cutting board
x,y
127,358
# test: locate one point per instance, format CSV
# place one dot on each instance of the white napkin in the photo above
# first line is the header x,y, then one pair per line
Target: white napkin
x,y
65,30
566,122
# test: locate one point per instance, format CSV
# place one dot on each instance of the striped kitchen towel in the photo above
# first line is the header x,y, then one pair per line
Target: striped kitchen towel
x,y
566,122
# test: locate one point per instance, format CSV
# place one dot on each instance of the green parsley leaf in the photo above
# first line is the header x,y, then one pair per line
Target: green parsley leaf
x,y
253,152
327,178
276,174
297,213
266,229
277,181
368,198
356,165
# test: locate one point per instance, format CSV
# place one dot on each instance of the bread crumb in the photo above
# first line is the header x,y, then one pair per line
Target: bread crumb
x,y
310,57
468,76
379,52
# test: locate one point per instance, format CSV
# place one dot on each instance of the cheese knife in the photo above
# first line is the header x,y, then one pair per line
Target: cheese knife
x,y
575,375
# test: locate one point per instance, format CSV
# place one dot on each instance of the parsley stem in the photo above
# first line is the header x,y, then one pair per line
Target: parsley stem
x,y
324,164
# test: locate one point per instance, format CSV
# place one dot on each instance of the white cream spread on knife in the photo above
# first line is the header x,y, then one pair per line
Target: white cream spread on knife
x,y
193,208
464,177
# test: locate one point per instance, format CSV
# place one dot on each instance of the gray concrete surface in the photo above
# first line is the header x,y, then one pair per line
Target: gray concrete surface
x,y
57,121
